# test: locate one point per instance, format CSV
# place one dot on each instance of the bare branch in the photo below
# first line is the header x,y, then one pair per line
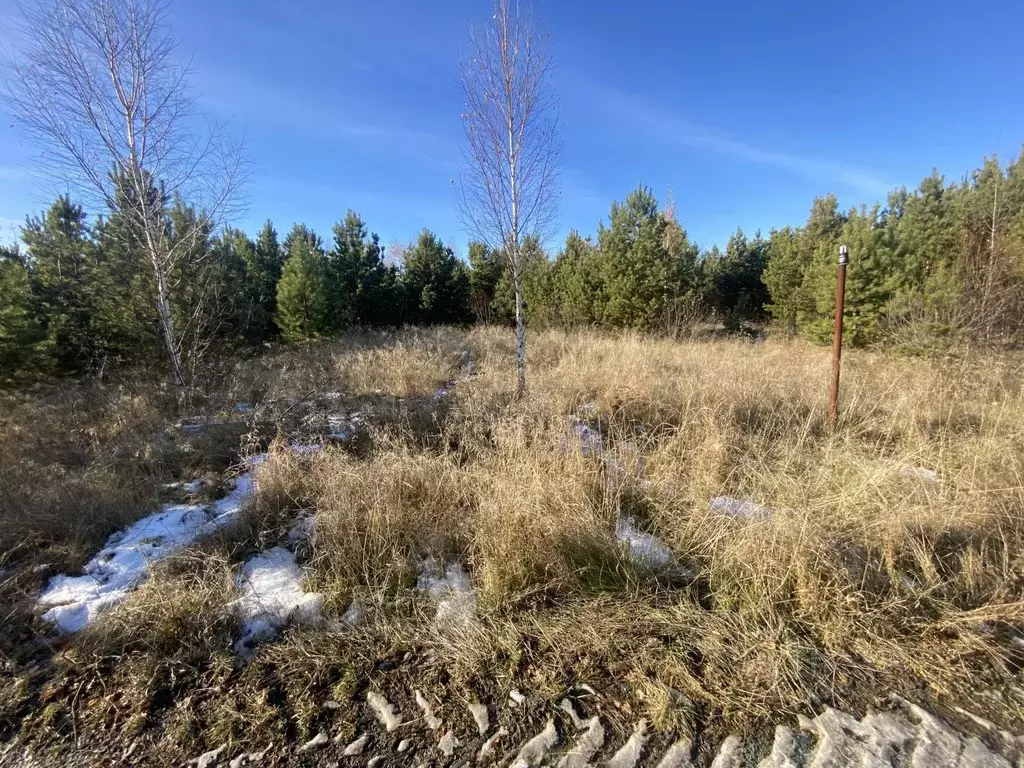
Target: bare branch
x,y
96,84
508,190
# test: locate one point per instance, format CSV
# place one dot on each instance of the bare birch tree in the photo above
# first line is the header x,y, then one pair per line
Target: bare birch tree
x,y
97,85
508,190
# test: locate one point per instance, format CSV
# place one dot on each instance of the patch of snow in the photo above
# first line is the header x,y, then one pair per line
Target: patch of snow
x,y
208,759
567,706
480,717
191,487
515,697
228,506
304,528
678,755
433,721
272,596
643,548
356,747
730,753
243,408
536,749
448,743
487,750
74,602
452,589
588,438
921,473
354,614
250,758
342,428
384,711
745,508
318,741
306,449
580,754
629,753
125,561
444,390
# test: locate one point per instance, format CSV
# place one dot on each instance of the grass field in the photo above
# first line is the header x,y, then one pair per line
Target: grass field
x,y
805,565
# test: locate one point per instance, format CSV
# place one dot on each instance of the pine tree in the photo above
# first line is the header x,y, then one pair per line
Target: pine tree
x,y
783,276
63,270
687,279
303,308
926,293
239,284
734,286
125,319
869,281
539,305
436,284
485,269
988,265
265,272
362,286
638,274
24,347
205,288
577,282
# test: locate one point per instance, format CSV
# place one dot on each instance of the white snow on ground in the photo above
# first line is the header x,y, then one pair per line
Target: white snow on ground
x,y
642,547
272,597
342,428
741,508
588,438
452,589
74,602
922,473
444,390
619,473
192,487
304,528
354,614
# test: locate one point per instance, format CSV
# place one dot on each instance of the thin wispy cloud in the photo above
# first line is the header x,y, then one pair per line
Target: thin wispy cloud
x,y
13,173
353,197
251,101
663,126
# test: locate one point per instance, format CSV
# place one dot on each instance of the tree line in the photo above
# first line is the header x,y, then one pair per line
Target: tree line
x,y
935,265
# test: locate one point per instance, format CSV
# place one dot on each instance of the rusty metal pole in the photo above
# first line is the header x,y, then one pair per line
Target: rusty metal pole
x,y
837,333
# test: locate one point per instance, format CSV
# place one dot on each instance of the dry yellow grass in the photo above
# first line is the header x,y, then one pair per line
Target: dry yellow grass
x,y
864,568
864,577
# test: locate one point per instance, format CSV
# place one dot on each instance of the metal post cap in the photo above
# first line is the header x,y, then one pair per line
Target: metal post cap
x,y
844,254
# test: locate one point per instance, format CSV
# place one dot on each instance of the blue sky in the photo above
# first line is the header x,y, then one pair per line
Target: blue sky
x,y
746,109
